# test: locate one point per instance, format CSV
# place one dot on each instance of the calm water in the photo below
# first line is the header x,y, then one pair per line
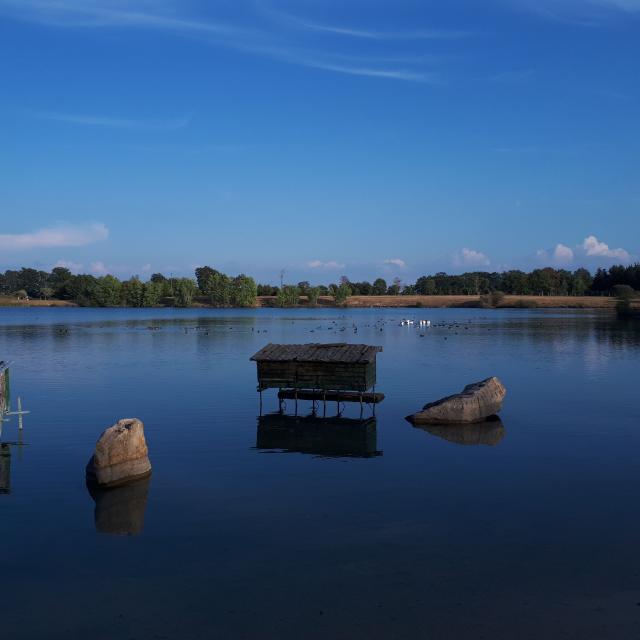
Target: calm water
x,y
533,533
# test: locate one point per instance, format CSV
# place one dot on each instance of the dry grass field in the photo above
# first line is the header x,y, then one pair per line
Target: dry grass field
x,y
10,301
542,302
568,302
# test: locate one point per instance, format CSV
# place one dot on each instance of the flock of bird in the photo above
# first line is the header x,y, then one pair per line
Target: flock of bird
x,y
335,326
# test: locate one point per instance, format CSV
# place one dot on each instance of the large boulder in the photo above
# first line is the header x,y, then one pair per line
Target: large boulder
x,y
121,455
475,403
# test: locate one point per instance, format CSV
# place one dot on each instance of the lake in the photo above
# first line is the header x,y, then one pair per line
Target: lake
x,y
529,531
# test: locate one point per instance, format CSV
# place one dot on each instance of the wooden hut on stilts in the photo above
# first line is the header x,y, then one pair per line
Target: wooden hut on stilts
x,y
319,372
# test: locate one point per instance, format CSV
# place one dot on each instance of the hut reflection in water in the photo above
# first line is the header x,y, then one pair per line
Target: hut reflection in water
x,y
5,469
490,432
120,511
326,437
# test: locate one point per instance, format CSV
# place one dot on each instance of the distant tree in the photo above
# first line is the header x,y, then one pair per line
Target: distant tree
x,y
58,279
425,286
219,288
379,287
152,293
342,293
244,291
106,292
363,288
304,287
395,288
157,278
32,281
132,293
46,293
81,289
581,281
203,275
313,293
288,296
185,289
267,290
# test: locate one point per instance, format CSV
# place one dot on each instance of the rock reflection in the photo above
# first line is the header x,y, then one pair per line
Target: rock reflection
x,y
325,437
120,511
5,469
490,432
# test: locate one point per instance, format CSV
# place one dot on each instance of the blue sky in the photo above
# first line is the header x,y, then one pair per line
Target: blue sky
x,y
356,137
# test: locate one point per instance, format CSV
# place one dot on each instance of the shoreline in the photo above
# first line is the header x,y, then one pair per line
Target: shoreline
x,y
388,302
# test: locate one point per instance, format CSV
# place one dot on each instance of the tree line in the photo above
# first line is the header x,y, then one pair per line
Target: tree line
x,y
210,286
221,290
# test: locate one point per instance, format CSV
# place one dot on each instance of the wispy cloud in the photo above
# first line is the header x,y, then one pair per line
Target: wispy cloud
x,y
393,74
119,123
470,258
69,264
99,268
166,16
396,262
588,13
370,34
66,236
107,13
331,264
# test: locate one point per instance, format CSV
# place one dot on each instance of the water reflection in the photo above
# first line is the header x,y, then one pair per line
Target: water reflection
x,y
326,437
120,511
5,469
490,432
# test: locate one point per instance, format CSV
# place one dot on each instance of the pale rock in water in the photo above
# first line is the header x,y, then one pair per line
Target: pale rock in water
x,y
121,454
475,403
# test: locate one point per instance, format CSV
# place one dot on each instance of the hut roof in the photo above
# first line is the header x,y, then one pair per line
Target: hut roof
x,y
337,352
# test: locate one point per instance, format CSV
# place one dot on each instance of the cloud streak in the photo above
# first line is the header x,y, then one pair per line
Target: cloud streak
x,y
164,16
370,34
396,262
331,264
67,236
118,123
588,13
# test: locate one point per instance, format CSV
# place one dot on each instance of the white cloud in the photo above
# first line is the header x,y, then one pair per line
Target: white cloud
x,y
593,247
470,258
562,254
68,264
65,236
318,264
146,268
396,262
99,268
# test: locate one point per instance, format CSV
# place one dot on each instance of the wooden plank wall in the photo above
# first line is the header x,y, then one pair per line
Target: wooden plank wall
x,y
317,375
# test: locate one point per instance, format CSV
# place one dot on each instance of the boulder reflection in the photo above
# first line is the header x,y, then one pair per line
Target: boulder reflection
x,y
490,432
120,511
326,437
5,469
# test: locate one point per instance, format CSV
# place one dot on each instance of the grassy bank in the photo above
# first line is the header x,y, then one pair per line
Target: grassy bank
x,y
436,302
8,301
427,302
